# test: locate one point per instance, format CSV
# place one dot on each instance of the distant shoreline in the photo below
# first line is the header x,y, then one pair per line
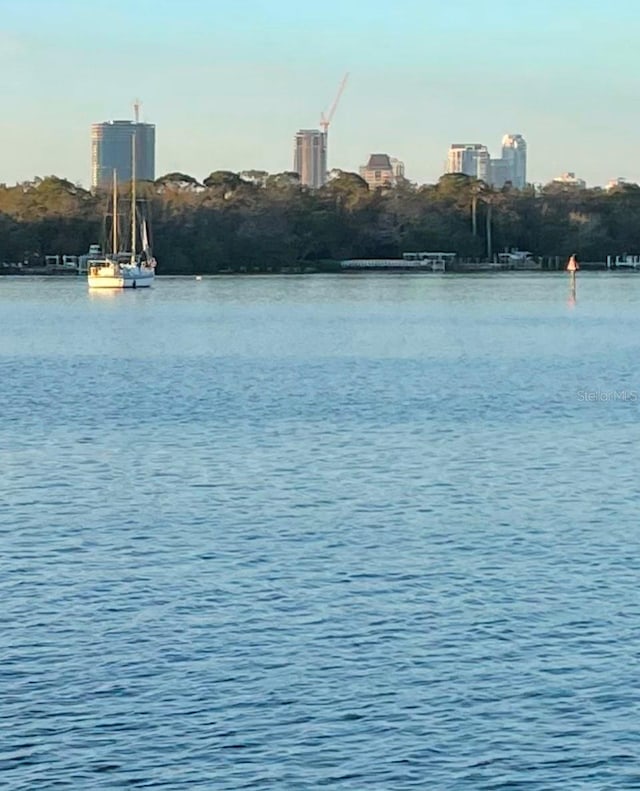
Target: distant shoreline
x,y
466,269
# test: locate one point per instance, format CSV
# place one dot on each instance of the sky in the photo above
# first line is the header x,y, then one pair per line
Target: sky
x,y
229,82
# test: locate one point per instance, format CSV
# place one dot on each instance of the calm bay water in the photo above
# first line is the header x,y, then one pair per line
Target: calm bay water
x,y
373,532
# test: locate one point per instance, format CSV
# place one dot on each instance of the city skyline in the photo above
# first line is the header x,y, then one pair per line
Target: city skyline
x,y
241,81
474,159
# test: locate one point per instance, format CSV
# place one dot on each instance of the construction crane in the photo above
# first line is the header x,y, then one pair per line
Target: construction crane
x,y
325,120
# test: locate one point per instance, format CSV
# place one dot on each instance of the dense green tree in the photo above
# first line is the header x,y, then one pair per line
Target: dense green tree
x,y
257,177
254,221
224,180
177,180
283,181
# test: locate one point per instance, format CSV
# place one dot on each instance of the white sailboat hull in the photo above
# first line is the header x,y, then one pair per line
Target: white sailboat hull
x,y
117,276
114,281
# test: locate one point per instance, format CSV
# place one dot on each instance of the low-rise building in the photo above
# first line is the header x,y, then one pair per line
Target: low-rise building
x,y
570,180
382,171
616,183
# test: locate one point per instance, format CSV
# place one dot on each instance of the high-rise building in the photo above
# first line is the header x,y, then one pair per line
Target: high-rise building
x,y
310,157
470,158
111,149
500,172
514,152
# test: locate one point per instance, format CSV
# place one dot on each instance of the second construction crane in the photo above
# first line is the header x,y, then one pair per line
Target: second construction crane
x,y
325,120
310,154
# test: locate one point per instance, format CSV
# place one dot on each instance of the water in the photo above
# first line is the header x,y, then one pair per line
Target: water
x,y
279,533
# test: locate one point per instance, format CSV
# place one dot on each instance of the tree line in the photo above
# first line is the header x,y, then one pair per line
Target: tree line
x,y
254,221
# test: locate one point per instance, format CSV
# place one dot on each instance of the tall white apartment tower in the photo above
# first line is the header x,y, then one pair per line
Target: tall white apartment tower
x,y
473,159
514,154
310,157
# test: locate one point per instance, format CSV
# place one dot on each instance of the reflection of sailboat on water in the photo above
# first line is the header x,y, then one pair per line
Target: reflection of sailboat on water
x,y
125,269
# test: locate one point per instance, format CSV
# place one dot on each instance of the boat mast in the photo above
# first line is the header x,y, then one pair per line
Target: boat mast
x,y
115,214
133,197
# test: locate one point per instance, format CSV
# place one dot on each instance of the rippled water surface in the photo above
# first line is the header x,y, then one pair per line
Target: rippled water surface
x,y
348,532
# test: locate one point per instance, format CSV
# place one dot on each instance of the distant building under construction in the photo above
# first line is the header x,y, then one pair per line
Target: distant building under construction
x,y
310,157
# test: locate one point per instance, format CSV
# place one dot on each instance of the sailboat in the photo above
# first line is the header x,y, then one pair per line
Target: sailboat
x,y
129,269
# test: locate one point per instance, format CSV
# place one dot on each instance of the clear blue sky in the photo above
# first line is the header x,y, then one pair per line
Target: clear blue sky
x,y
229,83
